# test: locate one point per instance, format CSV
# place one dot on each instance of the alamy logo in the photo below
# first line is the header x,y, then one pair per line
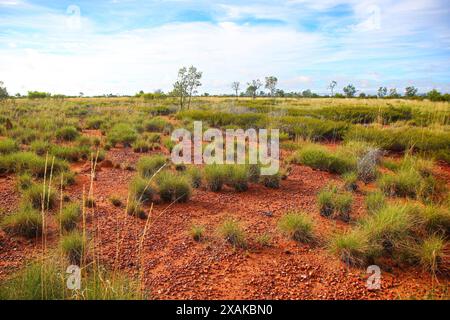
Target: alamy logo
x,y
263,147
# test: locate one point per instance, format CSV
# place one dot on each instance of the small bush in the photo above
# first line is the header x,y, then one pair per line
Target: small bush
x,y
73,246
148,166
26,222
335,203
8,146
36,196
298,226
69,217
173,187
67,133
233,233
141,190
197,232
215,176
375,201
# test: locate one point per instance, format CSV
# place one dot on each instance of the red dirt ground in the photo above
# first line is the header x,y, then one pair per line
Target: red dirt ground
x,y
177,267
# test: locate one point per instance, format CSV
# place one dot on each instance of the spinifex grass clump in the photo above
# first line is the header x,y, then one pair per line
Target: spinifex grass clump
x,y
140,189
436,219
40,147
215,176
8,146
319,157
26,222
375,201
351,247
47,281
21,162
297,226
196,232
122,133
69,217
233,233
335,203
173,187
271,181
432,255
134,208
73,246
67,133
237,177
148,166
350,181
24,181
195,175
38,196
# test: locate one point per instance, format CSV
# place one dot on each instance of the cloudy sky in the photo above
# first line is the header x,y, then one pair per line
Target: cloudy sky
x,y
123,46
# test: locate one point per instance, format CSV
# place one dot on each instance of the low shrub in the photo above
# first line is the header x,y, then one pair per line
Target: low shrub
x,y
157,124
141,190
148,166
297,226
233,233
26,222
237,177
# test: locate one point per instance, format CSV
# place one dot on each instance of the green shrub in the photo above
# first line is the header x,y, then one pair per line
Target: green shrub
x,y
375,201
69,217
197,232
67,133
73,246
8,146
233,233
436,219
335,203
173,187
297,226
195,175
141,190
148,166
36,195
141,146
121,133
405,183
26,222
22,162
69,153
215,176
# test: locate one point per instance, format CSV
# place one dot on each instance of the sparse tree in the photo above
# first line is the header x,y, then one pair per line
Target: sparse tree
x,y
393,93
382,92
331,86
252,87
271,85
186,85
350,91
410,92
236,86
3,92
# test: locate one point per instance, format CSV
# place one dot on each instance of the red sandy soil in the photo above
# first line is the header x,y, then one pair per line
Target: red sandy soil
x,y
177,267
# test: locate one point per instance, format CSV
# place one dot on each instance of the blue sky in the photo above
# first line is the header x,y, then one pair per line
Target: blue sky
x,y
123,46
